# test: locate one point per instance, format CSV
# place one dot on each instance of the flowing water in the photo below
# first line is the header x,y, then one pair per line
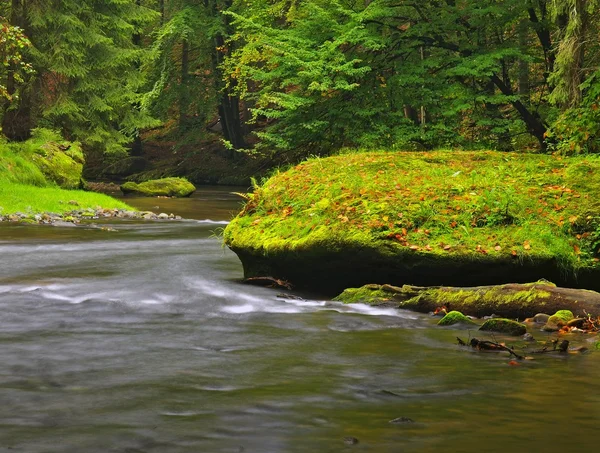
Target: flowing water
x,y
144,340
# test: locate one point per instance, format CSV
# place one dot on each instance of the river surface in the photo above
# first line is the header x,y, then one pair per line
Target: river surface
x,y
143,339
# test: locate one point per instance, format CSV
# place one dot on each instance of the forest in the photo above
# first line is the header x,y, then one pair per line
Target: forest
x,y
292,78
293,226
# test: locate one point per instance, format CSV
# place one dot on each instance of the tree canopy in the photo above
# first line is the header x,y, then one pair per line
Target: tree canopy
x,y
305,77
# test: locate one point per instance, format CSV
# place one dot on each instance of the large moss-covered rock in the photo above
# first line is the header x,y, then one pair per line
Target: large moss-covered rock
x,y
452,218
60,162
502,325
167,187
513,300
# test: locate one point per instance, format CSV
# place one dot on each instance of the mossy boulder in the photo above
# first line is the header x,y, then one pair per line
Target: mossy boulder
x,y
167,187
60,161
502,325
561,316
513,300
430,218
455,317
557,320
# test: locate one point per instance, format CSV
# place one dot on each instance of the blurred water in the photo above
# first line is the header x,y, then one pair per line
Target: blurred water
x,y
143,340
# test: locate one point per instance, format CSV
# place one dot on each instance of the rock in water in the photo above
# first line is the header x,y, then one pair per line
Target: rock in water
x,y
454,317
503,325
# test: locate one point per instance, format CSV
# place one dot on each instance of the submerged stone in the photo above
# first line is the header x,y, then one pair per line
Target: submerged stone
x,y
503,325
454,317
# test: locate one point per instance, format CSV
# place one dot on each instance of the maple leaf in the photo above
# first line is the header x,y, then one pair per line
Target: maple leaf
x,y
526,245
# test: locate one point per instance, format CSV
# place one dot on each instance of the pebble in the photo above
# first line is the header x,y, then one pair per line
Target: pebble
x,y
72,218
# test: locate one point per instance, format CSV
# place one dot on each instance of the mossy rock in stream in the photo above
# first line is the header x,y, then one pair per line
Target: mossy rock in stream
x,y
503,325
558,319
454,317
166,187
512,300
431,218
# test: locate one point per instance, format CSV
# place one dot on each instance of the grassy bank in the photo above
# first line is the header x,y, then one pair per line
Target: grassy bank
x,y
425,212
30,199
35,174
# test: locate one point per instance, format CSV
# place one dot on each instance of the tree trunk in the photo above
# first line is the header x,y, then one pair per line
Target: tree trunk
x,y
534,124
229,104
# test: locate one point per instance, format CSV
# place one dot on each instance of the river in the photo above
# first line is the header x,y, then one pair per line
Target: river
x,y
143,339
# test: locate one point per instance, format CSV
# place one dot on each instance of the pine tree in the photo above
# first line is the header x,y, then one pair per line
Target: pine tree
x,y
84,58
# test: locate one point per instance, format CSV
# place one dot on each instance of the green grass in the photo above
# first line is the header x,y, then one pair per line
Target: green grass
x,y
31,173
442,203
31,200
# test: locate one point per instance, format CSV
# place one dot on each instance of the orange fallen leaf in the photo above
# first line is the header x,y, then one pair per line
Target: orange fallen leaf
x,y
526,245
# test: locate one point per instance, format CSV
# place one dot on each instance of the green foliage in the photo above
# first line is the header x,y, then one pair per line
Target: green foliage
x,y
87,81
13,43
183,89
393,74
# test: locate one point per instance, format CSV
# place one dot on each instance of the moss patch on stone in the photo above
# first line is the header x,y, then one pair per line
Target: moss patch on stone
x,y
43,160
561,316
502,325
454,317
457,218
558,319
511,300
167,187
367,294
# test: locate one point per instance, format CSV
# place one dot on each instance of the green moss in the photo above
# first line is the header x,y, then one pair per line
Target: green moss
x,y
433,216
43,160
169,187
561,317
368,294
480,298
454,317
503,325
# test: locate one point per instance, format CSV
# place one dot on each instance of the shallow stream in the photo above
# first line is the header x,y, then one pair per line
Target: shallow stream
x,y
143,339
